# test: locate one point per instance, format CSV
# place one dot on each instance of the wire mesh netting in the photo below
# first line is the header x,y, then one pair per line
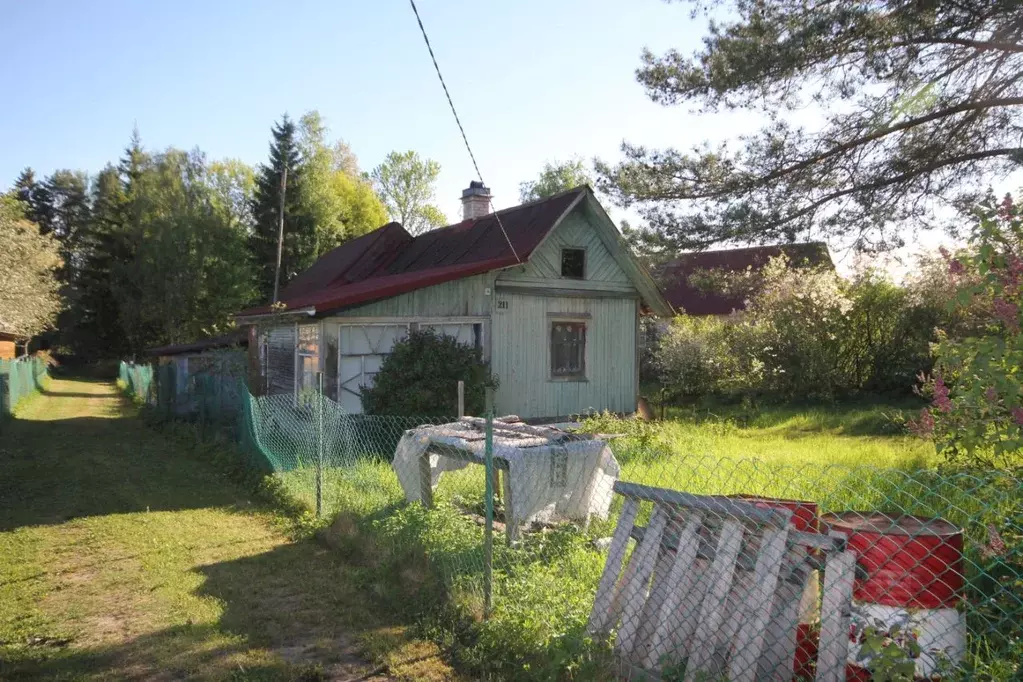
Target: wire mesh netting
x,y
575,551
19,379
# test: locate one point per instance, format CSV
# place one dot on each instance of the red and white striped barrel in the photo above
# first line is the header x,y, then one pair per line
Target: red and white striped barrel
x,y
910,573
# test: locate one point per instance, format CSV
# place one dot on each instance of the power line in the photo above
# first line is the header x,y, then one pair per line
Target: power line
x,y
465,138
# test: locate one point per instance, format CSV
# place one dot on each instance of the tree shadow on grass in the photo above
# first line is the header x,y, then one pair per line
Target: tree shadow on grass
x,y
290,613
53,471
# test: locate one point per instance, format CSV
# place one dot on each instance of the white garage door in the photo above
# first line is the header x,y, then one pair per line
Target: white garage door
x,y
362,348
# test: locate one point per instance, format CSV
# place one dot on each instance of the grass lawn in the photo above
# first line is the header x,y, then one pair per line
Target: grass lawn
x,y
842,457
125,554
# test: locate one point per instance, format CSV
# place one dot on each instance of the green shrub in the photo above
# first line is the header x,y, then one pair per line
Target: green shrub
x,y
808,333
976,415
421,375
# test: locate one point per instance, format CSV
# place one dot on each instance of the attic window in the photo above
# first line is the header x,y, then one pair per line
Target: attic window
x,y
573,263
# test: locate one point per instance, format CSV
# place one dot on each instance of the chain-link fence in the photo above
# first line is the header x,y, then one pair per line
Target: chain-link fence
x,y
18,380
585,551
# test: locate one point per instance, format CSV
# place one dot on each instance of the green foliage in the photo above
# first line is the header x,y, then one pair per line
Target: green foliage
x,y
890,653
405,184
917,104
695,357
555,178
421,374
808,333
299,249
29,266
190,268
977,389
340,201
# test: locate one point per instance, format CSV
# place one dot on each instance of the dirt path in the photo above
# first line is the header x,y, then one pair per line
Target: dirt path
x,y
124,555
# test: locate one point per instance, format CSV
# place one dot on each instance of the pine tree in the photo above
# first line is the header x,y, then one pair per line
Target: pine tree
x,y
300,244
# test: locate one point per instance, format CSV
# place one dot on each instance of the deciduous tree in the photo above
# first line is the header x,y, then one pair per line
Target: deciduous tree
x,y
554,178
340,201
29,261
405,183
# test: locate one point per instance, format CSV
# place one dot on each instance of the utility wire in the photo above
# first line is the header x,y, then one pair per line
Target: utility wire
x,y
465,139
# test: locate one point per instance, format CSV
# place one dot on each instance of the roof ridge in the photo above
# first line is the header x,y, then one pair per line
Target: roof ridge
x,y
736,249
505,210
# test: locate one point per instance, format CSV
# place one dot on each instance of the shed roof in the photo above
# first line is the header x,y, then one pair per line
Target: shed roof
x,y
238,337
673,277
388,261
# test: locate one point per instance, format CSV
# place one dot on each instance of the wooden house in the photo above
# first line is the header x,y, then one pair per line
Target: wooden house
x,y
547,291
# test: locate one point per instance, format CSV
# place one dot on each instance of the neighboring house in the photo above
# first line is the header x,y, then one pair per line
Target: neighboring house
x,y
547,291
9,344
684,294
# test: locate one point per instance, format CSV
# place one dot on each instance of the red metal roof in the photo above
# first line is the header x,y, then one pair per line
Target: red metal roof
x,y
672,277
388,261
353,261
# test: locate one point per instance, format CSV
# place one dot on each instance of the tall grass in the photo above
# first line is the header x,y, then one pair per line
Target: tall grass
x,y
544,586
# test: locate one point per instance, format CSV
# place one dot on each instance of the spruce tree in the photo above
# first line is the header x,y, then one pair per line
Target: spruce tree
x,y
300,247
29,192
103,244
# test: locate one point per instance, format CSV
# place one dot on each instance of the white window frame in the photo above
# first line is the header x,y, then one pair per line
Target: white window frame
x,y
584,319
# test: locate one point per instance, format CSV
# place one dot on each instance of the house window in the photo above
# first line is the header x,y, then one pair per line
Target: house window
x,y
573,263
568,350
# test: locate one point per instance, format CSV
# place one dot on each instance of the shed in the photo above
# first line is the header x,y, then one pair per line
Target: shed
x,y
546,290
8,345
179,364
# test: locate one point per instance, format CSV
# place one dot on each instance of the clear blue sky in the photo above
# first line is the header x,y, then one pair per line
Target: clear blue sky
x,y
533,80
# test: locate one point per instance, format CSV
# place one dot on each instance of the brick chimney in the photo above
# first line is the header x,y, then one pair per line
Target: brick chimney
x,y
475,200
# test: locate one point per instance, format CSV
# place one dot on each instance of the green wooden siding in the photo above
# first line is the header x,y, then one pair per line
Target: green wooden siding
x,y
544,267
521,355
518,312
460,298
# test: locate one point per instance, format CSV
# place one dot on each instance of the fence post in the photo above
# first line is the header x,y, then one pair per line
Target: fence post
x,y
461,399
488,536
319,446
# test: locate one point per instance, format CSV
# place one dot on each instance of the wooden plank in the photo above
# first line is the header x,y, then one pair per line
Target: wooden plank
x,y
712,610
722,506
601,613
425,481
836,604
634,593
779,650
660,588
749,641
681,580
511,526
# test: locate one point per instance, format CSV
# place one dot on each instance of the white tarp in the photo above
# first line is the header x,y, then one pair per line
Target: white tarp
x,y
552,475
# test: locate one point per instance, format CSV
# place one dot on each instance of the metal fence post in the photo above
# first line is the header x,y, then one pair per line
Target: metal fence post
x,y
461,398
319,446
488,536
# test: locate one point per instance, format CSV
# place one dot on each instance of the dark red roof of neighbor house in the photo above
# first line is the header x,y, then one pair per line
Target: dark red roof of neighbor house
x,y
388,261
673,277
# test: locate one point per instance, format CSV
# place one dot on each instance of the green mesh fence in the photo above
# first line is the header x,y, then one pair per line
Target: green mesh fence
x,y
137,380
561,553
18,380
